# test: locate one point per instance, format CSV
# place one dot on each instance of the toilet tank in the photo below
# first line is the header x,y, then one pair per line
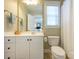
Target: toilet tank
x,y
53,40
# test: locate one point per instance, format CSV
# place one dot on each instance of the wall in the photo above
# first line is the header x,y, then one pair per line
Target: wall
x,y
67,33
53,31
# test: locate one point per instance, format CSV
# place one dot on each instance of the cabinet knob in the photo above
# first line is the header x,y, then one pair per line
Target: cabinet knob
x,y
30,39
8,48
8,39
27,39
8,57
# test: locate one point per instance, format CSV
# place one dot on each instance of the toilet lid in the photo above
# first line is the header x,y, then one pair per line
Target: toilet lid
x,y
57,50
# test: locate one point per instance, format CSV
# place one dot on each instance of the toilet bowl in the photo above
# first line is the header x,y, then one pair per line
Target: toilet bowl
x,y
56,51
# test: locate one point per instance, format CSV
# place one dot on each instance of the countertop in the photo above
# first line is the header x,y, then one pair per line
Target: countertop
x,y
28,33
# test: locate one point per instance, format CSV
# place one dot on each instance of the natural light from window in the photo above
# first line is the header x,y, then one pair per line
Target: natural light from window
x,y
52,16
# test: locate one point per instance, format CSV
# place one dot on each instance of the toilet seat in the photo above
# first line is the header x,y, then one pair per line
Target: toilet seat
x,y
57,51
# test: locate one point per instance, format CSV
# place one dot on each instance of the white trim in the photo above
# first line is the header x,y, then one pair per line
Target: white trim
x,y
52,26
52,3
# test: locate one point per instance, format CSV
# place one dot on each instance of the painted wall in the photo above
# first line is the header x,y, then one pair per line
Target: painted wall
x,y
53,31
67,28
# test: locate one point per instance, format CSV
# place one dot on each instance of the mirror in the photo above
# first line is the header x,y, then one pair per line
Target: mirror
x,y
10,13
30,16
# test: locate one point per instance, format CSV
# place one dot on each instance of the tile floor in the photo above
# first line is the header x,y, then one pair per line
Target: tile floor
x,y
47,56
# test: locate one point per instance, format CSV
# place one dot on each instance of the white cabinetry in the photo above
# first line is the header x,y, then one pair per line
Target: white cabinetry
x,y
36,47
9,47
23,47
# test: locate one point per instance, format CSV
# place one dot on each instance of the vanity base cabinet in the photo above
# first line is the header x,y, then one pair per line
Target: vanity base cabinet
x,y
23,47
36,47
9,47
9,55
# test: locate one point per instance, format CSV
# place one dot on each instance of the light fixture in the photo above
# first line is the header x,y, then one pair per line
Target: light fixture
x,y
30,2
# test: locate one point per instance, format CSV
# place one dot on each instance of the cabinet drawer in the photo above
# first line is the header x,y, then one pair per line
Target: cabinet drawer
x,y
9,55
9,47
9,39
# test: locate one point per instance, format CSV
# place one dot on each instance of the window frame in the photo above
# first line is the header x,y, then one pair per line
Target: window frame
x,y
51,3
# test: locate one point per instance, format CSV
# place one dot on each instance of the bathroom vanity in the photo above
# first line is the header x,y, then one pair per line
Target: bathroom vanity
x,y
27,45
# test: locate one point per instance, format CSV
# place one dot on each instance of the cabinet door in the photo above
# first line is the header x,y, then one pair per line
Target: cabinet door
x,y
9,55
9,44
22,48
36,47
9,47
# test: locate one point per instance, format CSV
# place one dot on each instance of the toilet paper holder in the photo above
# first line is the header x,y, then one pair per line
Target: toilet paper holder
x,y
45,38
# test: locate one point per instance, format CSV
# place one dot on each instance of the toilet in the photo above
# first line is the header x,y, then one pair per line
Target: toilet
x,y
56,51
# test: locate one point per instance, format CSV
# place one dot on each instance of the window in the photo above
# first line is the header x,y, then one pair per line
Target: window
x,y
52,16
